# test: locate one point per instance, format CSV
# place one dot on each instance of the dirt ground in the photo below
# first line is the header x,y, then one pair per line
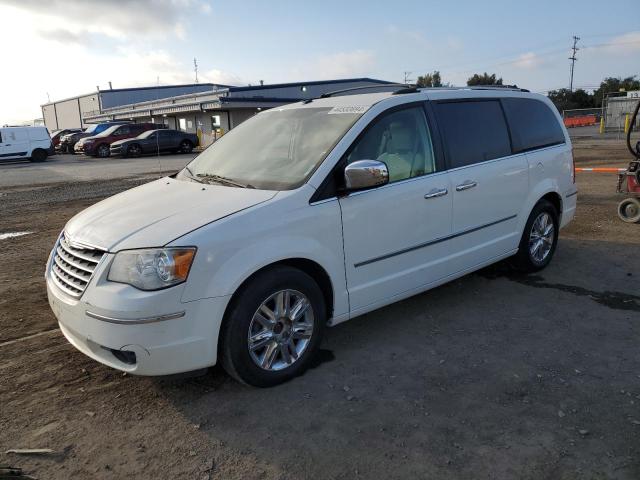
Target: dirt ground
x,y
491,376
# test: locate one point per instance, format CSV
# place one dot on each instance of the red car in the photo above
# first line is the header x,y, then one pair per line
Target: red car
x,y
56,135
99,145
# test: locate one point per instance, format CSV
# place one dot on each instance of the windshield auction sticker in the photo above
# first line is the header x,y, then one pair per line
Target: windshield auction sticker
x,y
348,109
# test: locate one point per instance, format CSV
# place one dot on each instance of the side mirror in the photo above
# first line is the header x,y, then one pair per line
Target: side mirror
x,y
365,174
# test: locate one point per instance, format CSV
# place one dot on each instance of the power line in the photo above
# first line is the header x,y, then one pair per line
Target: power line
x,y
573,60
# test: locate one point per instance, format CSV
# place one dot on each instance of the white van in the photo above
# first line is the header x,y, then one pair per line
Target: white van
x,y
32,143
309,215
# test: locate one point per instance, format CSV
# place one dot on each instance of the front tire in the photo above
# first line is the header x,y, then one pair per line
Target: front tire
x,y
134,150
273,327
539,239
103,150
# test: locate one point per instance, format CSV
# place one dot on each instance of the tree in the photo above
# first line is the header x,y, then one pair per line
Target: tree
x,y
613,84
430,80
484,79
565,99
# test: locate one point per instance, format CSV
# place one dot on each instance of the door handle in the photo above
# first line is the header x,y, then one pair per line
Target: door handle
x,y
435,193
466,185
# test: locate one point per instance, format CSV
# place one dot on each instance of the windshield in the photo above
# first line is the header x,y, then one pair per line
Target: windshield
x,y
147,134
274,150
107,132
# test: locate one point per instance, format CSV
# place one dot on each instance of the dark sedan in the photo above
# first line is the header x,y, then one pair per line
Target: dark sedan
x,y
155,142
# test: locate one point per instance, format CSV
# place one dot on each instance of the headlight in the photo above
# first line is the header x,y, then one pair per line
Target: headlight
x,y
86,142
152,268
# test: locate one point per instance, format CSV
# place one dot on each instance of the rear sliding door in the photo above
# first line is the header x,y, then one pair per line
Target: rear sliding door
x,y
489,183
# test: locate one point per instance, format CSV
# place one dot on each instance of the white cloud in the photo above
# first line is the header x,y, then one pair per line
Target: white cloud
x,y
205,7
118,19
620,45
221,77
63,64
337,65
528,61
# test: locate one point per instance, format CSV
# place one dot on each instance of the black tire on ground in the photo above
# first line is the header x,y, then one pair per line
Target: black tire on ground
x,y
186,146
525,260
133,151
38,155
233,347
629,210
103,150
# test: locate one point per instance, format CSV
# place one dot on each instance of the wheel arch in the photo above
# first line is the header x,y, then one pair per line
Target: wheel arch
x,y
310,267
555,199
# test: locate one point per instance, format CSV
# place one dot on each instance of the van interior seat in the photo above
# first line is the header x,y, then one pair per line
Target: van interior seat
x,y
399,151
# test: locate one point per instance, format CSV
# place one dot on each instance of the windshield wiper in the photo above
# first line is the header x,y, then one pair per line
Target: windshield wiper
x,y
223,180
191,175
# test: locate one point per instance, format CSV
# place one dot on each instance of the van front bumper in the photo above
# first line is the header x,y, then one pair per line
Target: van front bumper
x,y
151,344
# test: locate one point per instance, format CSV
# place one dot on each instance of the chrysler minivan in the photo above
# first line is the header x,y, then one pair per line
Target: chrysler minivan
x,y
309,215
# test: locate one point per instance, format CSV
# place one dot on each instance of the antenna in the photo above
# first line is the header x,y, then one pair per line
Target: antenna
x,y
195,68
573,60
48,98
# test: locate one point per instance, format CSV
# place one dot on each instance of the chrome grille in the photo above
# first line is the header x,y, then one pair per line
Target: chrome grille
x,y
72,266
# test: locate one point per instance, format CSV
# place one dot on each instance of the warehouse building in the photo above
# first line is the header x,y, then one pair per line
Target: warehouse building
x,y
71,112
208,110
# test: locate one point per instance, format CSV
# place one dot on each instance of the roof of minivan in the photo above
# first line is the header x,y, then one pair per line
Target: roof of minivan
x,y
368,99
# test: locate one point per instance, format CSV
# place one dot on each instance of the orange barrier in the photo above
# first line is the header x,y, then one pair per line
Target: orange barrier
x,y
583,121
601,169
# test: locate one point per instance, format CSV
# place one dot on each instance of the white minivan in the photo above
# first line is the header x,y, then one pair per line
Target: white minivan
x,y
31,143
309,215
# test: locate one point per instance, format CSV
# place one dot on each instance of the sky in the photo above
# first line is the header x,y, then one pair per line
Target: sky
x,y
54,49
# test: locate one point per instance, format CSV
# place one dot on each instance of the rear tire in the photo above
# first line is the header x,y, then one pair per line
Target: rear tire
x,y
186,146
38,155
629,210
285,338
539,239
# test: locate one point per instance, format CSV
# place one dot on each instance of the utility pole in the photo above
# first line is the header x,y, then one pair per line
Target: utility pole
x,y
195,68
406,77
573,59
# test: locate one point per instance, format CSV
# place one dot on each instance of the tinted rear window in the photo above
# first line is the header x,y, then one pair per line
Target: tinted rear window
x,y
474,131
533,124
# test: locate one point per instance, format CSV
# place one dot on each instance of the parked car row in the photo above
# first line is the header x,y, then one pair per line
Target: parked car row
x,y
127,139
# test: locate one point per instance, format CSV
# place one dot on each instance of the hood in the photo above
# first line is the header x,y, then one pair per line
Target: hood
x,y
156,213
90,137
75,136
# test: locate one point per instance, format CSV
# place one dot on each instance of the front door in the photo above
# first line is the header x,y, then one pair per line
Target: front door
x,y
395,235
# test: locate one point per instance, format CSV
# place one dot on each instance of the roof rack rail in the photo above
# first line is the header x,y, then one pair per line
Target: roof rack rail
x,y
369,87
496,87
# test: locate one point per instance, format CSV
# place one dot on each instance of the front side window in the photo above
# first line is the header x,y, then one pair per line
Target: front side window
x,y
533,124
474,131
122,131
274,150
401,140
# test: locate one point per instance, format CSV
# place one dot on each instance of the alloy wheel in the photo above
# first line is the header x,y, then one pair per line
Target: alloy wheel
x,y
541,237
280,330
